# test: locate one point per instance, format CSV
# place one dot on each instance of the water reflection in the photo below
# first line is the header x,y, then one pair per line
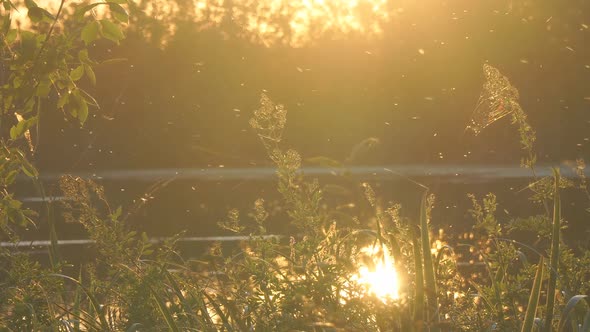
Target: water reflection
x,y
443,173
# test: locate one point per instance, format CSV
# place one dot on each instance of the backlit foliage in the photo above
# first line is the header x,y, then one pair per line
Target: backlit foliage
x,y
498,98
268,22
368,267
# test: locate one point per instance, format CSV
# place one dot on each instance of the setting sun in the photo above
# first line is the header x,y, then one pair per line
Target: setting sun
x,y
378,274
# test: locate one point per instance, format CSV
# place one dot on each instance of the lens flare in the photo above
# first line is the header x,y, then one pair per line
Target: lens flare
x,y
377,273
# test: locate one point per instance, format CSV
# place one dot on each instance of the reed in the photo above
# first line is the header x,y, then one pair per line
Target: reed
x,y
529,318
554,259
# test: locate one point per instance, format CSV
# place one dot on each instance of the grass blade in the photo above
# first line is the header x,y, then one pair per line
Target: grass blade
x,y
188,311
219,311
93,301
586,326
77,304
79,320
529,318
54,258
419,291
569,307
165,312
134,328
430,282
554,254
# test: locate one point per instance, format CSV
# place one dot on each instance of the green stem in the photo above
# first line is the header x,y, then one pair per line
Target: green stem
x,y
529,318
419,299
554,260
429,278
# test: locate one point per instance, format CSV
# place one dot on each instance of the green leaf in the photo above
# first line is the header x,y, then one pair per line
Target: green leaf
x,y
72,109
21,127
111,31
79,107
30,4
79,14
15,216
38,14
40,38
77,73
119,13
83,56
6,22
83,112
47,16
11,36
43,88
15,204
63,100
90,32
121,2
10,177
17,81
35,14
29,106
26,166
117,213
90,74
28,44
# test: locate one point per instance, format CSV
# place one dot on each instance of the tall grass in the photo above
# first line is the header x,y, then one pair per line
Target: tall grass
x,y
419,285
429,278
553,267
309,281
533,302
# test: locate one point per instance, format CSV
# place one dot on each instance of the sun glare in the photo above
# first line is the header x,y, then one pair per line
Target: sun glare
x,y
298,22
269,22
377,273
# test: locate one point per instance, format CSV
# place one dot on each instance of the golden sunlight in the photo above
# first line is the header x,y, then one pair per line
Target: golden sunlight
x,y
299,22
295,23
377,273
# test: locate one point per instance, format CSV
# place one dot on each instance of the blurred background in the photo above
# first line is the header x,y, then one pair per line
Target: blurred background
x,y
377,85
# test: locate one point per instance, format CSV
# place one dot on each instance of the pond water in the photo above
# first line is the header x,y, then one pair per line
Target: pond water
x,y
404,75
